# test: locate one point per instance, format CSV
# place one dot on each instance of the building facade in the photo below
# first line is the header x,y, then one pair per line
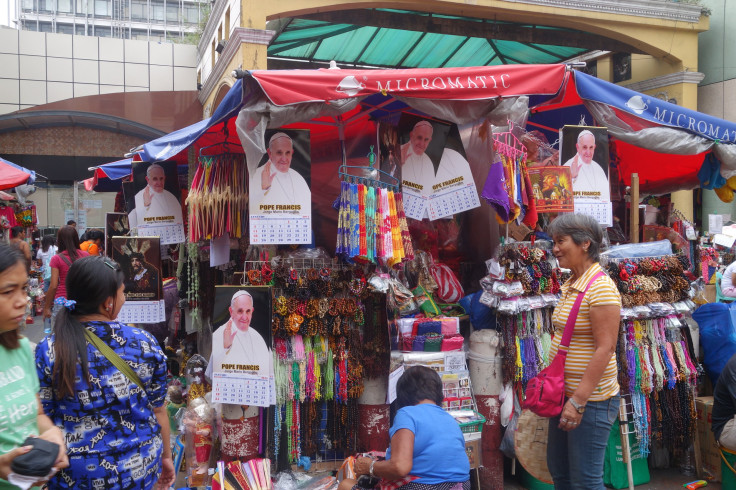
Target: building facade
x,y
149,20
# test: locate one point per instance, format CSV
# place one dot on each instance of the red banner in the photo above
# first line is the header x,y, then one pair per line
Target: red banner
x,y
286,87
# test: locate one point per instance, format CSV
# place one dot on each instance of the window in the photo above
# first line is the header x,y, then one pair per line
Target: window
x,y
64,6
157,11
65,28
45,5
191,14
102,31
102,8
80,30
138,10
227,24
81,7
140,34
44,26
27,5
172,13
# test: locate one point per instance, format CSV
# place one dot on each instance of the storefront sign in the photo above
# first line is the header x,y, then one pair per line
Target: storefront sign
x,y
467,83
654,110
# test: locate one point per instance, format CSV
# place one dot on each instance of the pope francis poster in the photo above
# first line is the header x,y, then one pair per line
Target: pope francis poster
x,y
156,204
280,199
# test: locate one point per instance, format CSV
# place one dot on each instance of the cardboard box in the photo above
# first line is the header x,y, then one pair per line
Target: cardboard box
x,y
710,467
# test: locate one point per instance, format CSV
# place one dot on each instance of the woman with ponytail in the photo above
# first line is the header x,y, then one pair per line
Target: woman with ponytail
x,y
104,384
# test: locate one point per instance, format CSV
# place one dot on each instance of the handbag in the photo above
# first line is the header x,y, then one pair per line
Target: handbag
x,y
449,288
545,393
115,359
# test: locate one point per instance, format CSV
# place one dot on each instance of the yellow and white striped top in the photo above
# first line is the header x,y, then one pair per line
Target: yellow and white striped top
x,y
602,292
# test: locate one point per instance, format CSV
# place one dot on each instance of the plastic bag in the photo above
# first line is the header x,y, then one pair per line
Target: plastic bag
x,y
507,442
401,299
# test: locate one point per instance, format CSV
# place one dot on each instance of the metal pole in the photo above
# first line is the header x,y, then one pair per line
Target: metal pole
x,y
76,201
634,232
623,419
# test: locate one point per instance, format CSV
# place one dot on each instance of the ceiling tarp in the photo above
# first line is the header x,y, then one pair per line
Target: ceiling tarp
x,y
287,87
12,175
393,38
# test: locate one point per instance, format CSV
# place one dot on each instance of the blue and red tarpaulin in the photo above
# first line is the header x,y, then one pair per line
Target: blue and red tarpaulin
x,y
12,175
664,143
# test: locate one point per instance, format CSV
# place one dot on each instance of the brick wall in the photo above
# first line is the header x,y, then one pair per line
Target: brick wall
x,y
67,141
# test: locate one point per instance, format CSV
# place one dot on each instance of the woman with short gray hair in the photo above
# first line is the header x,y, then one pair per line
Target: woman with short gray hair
x,y
578,436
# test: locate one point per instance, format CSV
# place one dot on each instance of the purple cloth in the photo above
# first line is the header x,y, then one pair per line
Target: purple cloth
x,y
494,190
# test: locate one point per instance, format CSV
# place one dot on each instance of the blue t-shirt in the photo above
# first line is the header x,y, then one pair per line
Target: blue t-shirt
x,y
112,435
439,446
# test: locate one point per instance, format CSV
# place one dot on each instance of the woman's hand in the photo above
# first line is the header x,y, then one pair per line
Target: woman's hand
x,y
570,418
362,466
46,312
7,458
168,476
54,435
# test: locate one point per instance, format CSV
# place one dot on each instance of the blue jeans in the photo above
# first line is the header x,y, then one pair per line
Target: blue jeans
x,y
575,458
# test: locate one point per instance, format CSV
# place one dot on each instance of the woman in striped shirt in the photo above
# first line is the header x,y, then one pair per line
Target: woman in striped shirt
x,y
578,437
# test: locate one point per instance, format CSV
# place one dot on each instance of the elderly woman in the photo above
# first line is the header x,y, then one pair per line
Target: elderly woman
x,y
427,446
578,437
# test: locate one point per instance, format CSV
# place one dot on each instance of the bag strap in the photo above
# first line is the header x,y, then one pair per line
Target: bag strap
x,y
66,261
573,316
115,359
723,457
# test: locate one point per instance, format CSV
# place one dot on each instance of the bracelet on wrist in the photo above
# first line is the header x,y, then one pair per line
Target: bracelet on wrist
x,y
370,470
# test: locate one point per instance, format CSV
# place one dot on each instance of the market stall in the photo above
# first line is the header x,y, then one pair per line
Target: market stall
x,y
387,254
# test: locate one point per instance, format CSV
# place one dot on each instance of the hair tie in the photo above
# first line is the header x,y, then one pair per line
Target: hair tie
x,y
66,303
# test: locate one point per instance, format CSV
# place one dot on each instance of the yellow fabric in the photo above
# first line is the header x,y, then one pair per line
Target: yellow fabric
x,y
602,292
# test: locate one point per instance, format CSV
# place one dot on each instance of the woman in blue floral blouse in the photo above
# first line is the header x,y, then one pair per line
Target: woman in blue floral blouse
x,y
117,433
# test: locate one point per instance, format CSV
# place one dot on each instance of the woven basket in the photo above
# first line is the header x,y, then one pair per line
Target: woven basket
x,y
530,443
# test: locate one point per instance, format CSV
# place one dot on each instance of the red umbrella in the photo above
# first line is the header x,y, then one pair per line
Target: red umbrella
x,y
12,175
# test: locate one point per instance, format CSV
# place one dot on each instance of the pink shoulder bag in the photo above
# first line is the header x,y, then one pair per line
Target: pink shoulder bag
x,y
545,393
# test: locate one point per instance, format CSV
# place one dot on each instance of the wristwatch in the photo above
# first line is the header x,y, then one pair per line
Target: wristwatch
x,y
577,406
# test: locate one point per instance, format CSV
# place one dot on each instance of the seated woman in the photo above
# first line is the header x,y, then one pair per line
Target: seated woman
x,y
727,286
427,446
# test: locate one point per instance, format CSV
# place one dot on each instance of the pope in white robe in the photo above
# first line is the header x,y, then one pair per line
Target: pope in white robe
x,y
235,346
452,166
155,202
589,180
417,170
276,183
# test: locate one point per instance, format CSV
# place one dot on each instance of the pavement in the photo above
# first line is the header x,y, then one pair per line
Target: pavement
x,y
34,331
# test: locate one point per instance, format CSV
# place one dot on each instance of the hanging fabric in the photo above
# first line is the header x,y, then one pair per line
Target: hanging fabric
x,y
218,197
